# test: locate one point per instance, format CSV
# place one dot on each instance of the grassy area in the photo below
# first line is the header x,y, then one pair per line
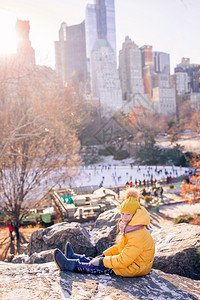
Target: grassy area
x,y
190,219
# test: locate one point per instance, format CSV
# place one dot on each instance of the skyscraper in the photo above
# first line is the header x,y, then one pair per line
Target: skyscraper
x,y
147,68
90,31
188,83
164,97
110,19
161,62
193,72
130,72
130,69
182,82
101,19
25,53
147,55
71,52
104,76
100,24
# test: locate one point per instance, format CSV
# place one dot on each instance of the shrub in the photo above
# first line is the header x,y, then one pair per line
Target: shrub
x,y
186,219
151,154
171,186
122,154
107,151
147,199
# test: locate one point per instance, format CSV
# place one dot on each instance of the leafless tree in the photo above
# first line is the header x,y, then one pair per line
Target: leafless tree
x,y
145,122
185,114
195,121
38,139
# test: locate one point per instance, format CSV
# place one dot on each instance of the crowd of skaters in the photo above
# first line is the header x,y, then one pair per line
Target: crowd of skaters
x,y
150,187
108,175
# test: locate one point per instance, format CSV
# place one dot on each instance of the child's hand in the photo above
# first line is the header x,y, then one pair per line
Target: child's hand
x,y
121,226
97,261
100,256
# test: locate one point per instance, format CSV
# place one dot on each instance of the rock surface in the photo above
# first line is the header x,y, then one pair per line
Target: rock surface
x,y
186,284
177,250
44,281
177,246
56,236
105,229
42,257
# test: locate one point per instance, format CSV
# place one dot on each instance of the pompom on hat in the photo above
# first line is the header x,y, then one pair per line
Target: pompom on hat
x,y
130,204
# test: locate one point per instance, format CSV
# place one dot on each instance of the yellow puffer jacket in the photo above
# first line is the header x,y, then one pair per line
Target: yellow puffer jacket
x,y
134,255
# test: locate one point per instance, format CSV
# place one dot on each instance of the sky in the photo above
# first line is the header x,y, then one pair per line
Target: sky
x,y
170,26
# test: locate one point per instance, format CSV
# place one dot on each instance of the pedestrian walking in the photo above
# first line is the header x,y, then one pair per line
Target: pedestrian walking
x,y
11,229
161,192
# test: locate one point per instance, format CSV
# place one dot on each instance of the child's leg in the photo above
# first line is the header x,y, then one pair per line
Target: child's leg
x,y
69,253
91,269
74,265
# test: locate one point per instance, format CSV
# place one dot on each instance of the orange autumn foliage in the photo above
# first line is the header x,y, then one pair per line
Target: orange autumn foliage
x,y
191,191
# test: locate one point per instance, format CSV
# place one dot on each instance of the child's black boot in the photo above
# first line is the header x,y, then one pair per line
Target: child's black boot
x,y
63,263
69,253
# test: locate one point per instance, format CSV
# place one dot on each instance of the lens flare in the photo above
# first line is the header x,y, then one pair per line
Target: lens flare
x,y
8,38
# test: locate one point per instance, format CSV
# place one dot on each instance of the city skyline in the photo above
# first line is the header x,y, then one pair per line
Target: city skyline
x,y
168,27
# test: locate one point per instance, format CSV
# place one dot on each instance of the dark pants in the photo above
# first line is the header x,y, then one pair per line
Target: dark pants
x,y
85,267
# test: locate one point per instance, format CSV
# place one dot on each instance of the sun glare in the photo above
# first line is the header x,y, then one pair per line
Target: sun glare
x,y
8,38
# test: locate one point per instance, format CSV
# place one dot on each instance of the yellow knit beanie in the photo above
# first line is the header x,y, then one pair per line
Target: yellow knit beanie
x,y
130,205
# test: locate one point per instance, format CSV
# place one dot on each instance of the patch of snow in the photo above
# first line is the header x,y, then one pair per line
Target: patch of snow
x,y
91,234
23,272
105,298
43,268
162,245
176,210
48,210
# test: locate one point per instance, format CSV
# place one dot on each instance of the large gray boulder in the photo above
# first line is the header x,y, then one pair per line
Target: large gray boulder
x,y
35,258
40,258
105,229
177,250
56,236
17,259
44,281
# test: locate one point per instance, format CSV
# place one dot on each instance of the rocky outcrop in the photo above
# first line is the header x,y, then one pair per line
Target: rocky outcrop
x,y
35,258
107,219
44,281
105,229
176,246
42,257
177,250
56,236
34,276
183,283
103,236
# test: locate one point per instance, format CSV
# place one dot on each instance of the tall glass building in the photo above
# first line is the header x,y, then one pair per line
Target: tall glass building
x,y
101,13
71,53
90,30
161,62
110,20
100,24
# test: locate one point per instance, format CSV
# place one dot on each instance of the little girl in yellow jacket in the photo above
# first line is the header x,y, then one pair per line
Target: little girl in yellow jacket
x,y
131,256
